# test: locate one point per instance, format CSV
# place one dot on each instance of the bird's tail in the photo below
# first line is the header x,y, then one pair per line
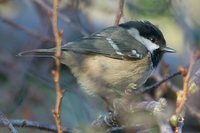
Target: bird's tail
x,y
38,53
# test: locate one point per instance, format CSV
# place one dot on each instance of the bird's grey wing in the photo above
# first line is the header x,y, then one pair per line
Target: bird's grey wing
x,y
110,42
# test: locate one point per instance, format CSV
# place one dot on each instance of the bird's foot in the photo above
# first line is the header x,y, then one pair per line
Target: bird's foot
x,y
107,120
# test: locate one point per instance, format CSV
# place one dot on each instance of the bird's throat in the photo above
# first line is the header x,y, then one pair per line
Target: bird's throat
x,y
156,57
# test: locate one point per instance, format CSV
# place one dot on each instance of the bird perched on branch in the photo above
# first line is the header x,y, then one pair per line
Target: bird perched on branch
x,y
107,62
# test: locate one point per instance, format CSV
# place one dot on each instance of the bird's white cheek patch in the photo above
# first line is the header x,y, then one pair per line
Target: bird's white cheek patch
x,y
148,44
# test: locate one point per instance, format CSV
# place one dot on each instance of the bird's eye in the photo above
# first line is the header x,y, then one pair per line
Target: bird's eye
x,y
152,39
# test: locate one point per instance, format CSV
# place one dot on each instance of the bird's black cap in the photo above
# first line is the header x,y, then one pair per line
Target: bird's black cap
x,y
146,30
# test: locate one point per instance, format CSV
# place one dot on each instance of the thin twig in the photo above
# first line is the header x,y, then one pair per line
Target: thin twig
x,y
119,12
36,125
182,96
186,77
5,122
25,29
56,73
161,82
169,84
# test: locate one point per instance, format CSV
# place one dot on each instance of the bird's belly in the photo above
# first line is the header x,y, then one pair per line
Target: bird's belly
x,y
100,74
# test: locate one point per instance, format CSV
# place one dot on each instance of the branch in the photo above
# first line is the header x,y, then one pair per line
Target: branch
x,y
186,77
56,73
160,83
182,96
110,121
119,12
5,122
36,125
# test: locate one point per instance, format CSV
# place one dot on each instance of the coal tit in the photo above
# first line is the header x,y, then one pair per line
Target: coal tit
x,y
107,62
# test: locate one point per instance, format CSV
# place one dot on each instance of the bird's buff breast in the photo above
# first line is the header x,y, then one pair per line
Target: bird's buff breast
x,y
102,75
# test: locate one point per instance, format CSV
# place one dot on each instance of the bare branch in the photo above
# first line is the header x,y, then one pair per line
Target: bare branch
x,y
186,77
36,125
56,73
119,13
182,96
5,122
161,82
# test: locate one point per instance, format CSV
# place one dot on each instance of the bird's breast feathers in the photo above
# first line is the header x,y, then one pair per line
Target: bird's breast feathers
x,y
100,74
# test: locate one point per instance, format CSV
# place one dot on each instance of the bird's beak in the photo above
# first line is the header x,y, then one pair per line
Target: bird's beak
x,y
168,50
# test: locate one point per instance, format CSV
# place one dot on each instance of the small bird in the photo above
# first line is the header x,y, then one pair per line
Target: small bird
x,y
107,62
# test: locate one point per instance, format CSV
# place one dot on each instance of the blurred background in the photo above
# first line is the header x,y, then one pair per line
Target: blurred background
x,y
26,84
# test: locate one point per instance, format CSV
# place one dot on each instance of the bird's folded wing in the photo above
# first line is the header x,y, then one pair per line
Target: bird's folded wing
x,y
113,42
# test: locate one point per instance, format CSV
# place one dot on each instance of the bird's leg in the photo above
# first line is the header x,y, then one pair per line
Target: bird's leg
x,y
121,109
115,106
155,107
131,102
108,120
